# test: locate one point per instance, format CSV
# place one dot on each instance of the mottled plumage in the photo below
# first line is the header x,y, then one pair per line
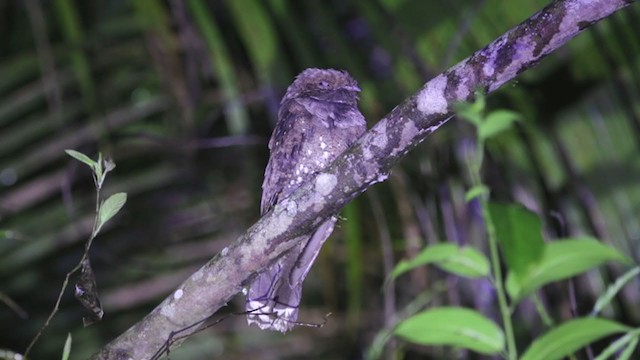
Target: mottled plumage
x,y
318,120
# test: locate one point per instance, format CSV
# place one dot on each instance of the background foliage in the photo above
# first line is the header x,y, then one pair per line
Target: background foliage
x,y
183,96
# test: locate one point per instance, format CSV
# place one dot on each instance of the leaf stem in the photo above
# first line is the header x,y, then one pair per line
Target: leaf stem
x,y
65,283
505,313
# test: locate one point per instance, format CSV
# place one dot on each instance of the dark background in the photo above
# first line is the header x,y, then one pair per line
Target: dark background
x,y
183,96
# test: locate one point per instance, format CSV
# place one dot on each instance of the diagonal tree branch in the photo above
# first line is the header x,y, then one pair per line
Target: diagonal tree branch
x,y
365,164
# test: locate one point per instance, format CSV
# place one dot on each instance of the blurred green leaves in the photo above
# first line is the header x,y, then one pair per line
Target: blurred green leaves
x,y
66,350
463,261
222,64
453,326
519,232
74,34
562,259
530,263
569,337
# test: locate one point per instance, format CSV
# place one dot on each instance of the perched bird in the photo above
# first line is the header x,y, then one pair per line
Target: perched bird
x,y
317,121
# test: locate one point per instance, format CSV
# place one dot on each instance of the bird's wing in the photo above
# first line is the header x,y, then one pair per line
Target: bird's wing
x,y
278,175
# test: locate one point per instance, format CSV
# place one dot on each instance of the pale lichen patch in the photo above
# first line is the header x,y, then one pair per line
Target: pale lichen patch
x,y
178,294
197,275
409,131
168,310
431,99
380,137
325,183
279,225
291,207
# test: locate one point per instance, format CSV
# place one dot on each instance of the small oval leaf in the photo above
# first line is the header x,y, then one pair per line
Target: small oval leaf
x,y
571,336
561,260
81,157
110,208
497,122
453,326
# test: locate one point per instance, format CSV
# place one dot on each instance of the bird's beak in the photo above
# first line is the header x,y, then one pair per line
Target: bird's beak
x,y
352,88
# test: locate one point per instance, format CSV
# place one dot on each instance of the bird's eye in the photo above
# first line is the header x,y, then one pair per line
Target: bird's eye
x,y
323,85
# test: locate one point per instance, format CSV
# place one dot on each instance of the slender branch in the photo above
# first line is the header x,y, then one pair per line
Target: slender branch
x,y
366,163
67,277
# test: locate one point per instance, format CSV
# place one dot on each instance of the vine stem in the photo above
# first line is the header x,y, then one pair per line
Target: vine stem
x,y
65,283
505,312
499,281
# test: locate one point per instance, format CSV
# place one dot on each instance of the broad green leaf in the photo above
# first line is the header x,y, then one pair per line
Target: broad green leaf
x,y
67,348
475,191
110,208
463,261
467,262
613,289
571,336
428,255
81,157
562,259
519,231
453,326
497,122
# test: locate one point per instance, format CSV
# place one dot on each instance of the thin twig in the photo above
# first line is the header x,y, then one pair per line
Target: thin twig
x,y
65,283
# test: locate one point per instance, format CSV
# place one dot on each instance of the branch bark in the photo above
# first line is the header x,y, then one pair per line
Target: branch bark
x,y
366,163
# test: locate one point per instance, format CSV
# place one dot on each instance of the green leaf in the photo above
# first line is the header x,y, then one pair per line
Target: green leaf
x,y
628,351
497,122
463,261
453,326
613,289
571,336
475,192
519,231
82,158
469,113
467,262
67,348
100,175
472,111
561,260
110,208
630,339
